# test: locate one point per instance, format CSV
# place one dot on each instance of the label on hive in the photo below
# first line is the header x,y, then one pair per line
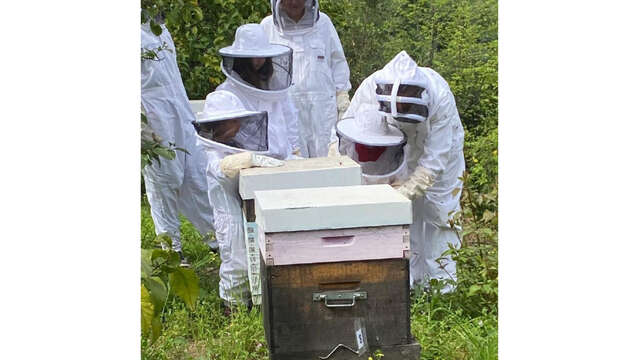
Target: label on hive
x,y
253,259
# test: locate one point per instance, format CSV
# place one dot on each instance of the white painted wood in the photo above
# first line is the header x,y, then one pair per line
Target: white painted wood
x,y
355,244
303,173
196,106
331,208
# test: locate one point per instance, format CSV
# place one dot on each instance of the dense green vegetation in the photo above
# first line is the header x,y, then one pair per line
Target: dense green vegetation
x,y
458,39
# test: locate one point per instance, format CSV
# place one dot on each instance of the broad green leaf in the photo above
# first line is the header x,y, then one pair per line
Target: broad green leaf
x,y
199,15
167,258
157,291
147,310
165,153
156,328
473,289
155,28
145,262
184,283
144,118
163,238
186,16
455,192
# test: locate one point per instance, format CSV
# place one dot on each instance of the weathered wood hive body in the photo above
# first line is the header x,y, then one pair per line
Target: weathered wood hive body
x,y
332,258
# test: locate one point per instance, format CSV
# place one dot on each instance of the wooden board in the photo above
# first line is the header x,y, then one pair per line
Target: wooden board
x,y
355,244
302,173
295,324
396,352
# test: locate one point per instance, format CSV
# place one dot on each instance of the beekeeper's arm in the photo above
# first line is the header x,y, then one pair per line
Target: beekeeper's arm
x,y
437,149
339,70
364,97
291,118
232,164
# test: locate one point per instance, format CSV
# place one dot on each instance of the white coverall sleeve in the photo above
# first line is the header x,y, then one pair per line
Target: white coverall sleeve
x,y
339,66
438,144
291,117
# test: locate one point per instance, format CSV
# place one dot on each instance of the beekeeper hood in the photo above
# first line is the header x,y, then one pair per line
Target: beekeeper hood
x,y
401,90
224,122
283,10
376,145
255,64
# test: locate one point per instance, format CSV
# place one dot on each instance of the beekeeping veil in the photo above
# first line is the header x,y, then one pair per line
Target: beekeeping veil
x,y
283,21
274,73
224,120
401,90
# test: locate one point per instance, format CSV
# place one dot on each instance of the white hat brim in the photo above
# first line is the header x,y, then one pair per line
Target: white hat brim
x,y
350,130
204,118
270,51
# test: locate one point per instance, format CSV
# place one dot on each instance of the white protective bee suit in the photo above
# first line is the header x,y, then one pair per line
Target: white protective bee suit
x,y
435,140
225,159
320,72
252,42
177,185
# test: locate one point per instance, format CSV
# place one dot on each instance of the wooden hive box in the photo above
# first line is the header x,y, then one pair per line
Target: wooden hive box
x,y
329,257
302,173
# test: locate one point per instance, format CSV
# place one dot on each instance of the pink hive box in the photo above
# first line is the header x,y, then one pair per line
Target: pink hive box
x,y
347,223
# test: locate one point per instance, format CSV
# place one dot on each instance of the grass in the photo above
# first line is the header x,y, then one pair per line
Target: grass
x,y
443,324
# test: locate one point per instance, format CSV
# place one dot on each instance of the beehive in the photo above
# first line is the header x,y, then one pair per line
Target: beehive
x,y
330,257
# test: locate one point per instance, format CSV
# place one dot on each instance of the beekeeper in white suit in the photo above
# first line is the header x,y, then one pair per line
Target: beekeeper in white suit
x,y
320,70
177,185
234,139
259,74
419,102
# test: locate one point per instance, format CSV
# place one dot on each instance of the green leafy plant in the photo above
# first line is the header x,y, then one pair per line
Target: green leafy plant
x,y
162,277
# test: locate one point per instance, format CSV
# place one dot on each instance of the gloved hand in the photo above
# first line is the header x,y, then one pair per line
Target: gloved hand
x,y
333,149
417,184
232,164
342,99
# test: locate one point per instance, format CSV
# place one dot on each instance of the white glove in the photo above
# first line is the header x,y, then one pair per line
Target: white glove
x,y
342,99
333,149
417,184
232,164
